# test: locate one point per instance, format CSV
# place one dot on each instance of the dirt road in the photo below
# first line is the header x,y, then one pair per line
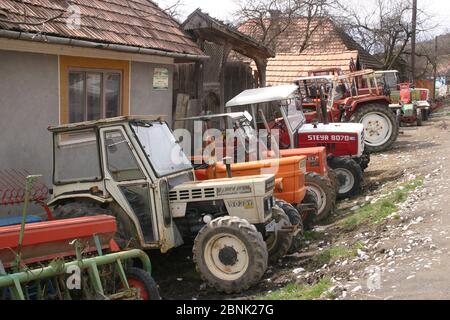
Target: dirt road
x,y
418,262
392,242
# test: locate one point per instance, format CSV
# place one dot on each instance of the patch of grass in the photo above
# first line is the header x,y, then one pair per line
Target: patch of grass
x,y
295,291
376,212
313,235
332,254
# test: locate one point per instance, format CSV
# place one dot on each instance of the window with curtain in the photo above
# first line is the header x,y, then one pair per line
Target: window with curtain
x,y
94,95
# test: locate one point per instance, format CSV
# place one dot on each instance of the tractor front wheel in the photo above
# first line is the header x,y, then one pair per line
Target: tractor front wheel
x,y
419,117
280,241
325,193
296,220
349,176
309,217
230,254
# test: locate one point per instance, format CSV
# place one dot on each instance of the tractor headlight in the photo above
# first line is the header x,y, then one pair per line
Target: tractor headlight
x,y
303,166
269,202
270,184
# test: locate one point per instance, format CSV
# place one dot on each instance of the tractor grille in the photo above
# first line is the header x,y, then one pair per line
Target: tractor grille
x,y
192,194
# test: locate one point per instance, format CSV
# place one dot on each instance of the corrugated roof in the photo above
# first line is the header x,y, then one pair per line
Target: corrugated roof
x,y
286,68
139,23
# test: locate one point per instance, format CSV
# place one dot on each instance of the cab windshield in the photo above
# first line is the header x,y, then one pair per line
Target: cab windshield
x,y
163,151
293,114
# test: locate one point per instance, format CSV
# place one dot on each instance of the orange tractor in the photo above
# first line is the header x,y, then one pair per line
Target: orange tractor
x,y
293,169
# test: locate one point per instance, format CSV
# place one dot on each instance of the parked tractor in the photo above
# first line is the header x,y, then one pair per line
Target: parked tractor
x,y
343,142
410,104
134,169
353,97
292,173
68,259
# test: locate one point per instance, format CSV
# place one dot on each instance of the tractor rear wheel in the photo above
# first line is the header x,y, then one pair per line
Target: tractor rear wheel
x,y
349,176
380,126
126,235
144,282
230,254
296,220
325,193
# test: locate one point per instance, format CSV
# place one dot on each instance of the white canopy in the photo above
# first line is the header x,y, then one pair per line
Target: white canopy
x,y
260,95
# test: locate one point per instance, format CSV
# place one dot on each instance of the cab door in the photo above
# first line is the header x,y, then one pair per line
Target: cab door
x,y
130,185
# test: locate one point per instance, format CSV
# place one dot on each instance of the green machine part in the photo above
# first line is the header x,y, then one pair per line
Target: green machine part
x,y
15,281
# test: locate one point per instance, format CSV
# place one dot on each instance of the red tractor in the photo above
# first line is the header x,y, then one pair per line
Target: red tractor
x,y
354,97
344,142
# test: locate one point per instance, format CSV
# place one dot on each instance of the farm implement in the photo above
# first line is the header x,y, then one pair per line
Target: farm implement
x,y
65,259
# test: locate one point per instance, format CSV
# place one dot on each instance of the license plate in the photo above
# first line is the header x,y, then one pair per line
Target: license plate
x,y
271,226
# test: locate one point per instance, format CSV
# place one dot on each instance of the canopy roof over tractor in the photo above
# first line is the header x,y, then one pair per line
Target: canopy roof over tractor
x,y
231,115
261,95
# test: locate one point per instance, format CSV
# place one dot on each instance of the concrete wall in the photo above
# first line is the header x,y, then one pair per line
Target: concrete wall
x,y
29,103
145,100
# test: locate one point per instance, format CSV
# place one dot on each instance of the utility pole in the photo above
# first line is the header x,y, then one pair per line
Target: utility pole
x,y
413,40
435,66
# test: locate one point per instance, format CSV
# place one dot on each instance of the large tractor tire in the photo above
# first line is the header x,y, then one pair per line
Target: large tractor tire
x,y
144,282
325,192
279,242
230,254
310,219
126,235
380,125
296,220
349,176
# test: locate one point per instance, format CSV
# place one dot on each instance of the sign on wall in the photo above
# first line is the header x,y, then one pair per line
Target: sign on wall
x,y
161,79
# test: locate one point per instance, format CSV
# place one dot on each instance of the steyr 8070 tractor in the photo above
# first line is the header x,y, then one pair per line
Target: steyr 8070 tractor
x,y
308,167
344,142
353,97
134,169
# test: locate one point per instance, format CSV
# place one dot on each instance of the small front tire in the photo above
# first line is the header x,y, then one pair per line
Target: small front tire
x,y
230,254
349,176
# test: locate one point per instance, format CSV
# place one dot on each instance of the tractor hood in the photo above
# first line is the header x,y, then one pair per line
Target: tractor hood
x,y
341,139
215,189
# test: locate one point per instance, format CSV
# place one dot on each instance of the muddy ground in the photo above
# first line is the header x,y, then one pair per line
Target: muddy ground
x,y
402,256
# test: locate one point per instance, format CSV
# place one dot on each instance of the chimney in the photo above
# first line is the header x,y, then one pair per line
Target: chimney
x,y
275,28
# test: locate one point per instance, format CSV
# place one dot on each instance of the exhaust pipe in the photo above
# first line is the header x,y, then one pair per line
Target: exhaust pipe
x,y
227,161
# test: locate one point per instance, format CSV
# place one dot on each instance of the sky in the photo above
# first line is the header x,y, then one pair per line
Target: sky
x,y
438,10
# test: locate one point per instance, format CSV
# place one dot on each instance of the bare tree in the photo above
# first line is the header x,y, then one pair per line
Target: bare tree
x,y
385,29
172,8
266,20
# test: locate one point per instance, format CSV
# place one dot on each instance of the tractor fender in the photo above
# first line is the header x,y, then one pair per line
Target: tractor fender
x,y
90,196
360,102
